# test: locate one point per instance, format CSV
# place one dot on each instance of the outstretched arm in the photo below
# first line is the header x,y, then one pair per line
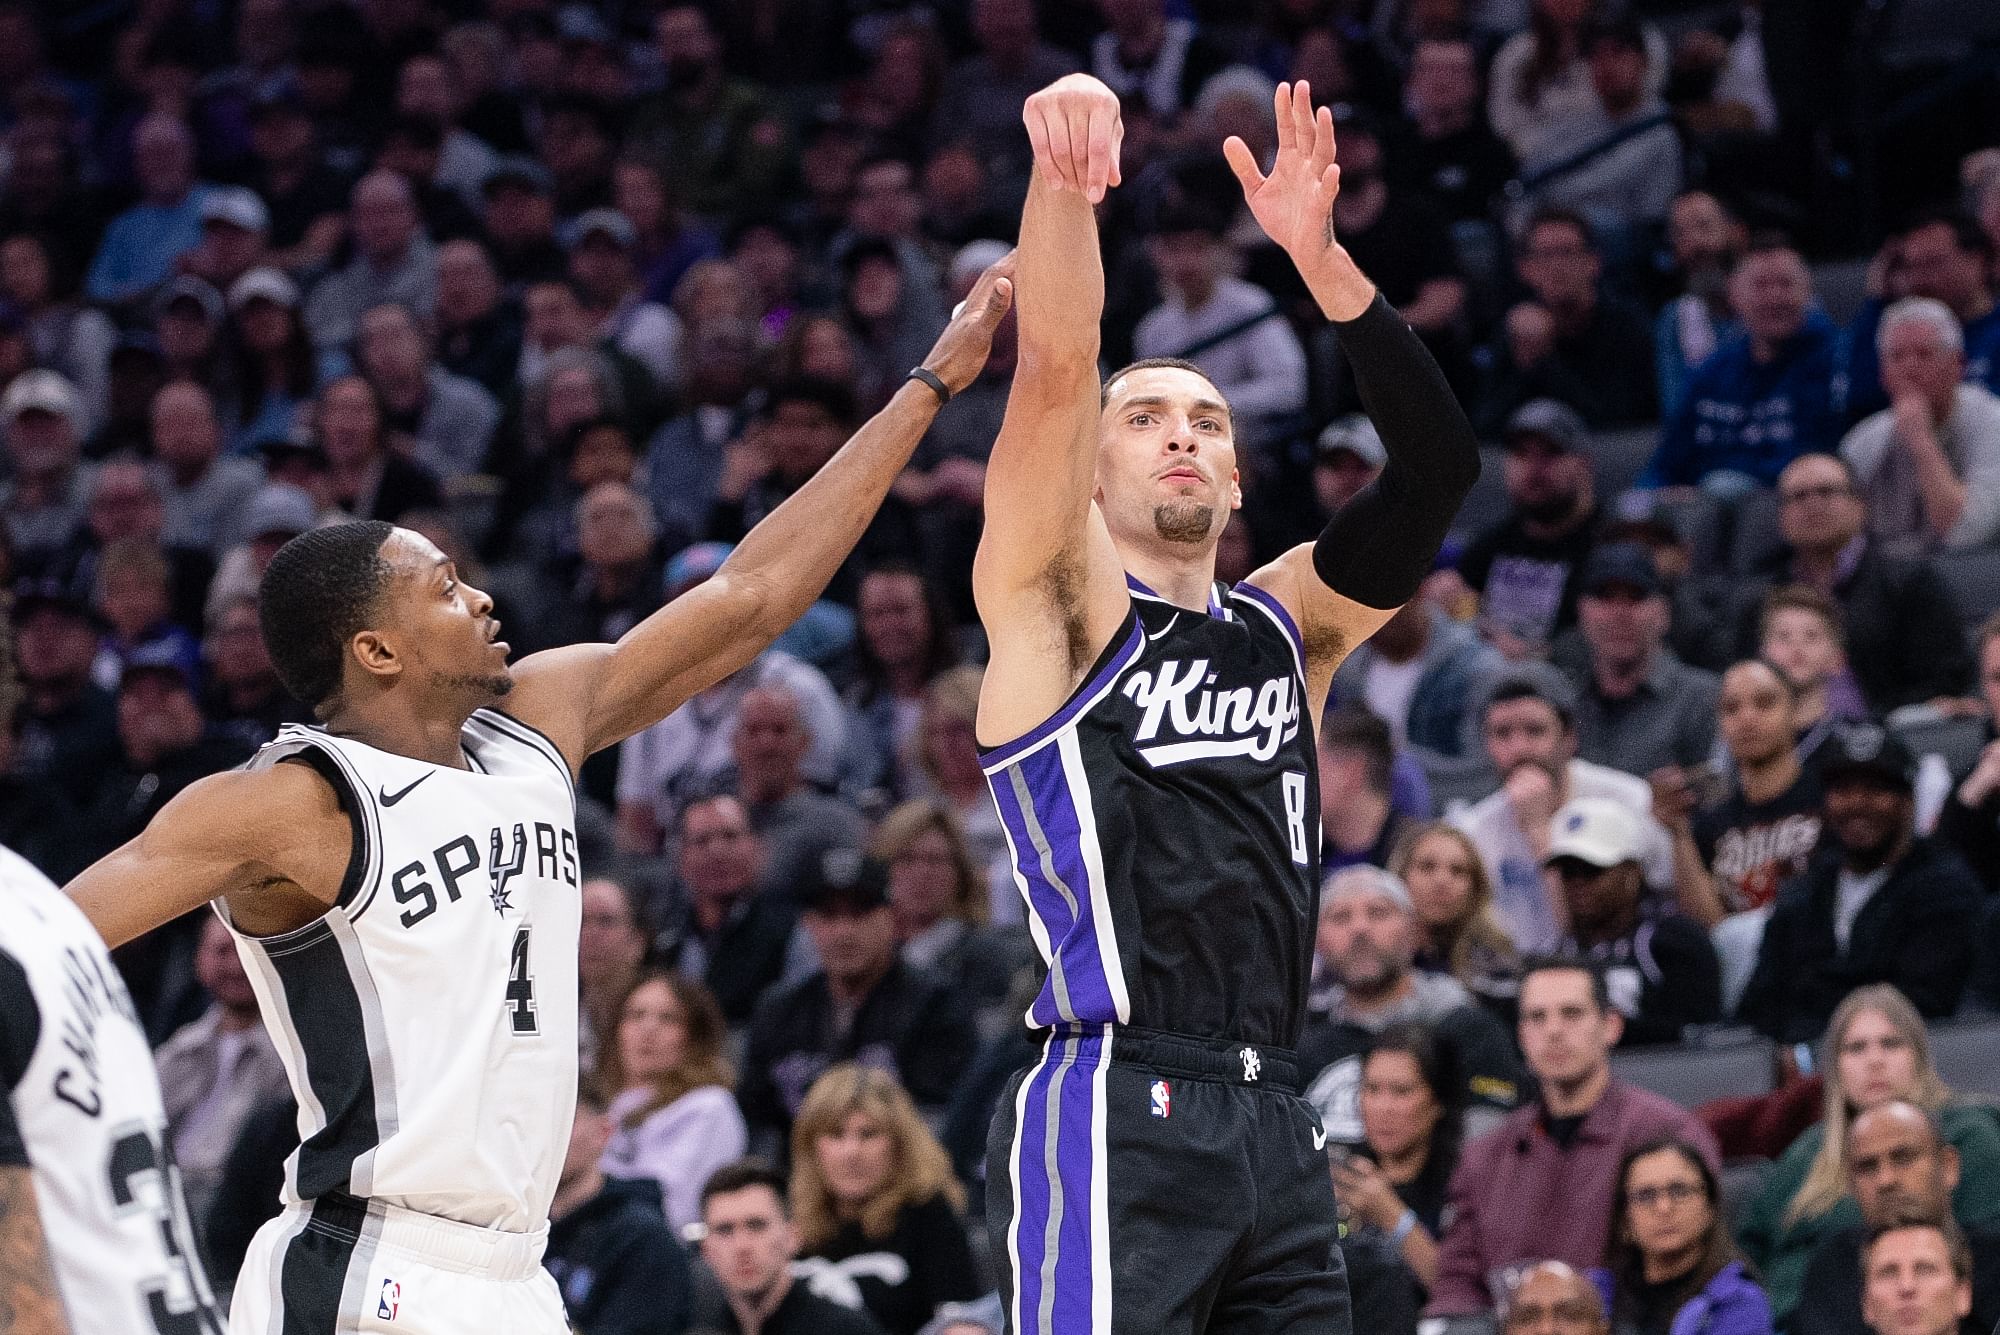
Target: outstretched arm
x,y
274,841
587,697
1378,548
1046,578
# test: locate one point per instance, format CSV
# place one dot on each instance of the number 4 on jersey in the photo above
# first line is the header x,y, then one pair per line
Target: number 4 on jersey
x,y
521,987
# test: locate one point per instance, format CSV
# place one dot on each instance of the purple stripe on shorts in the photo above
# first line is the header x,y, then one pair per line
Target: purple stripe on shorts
x,y
1031,1182
1077,1165
1062,1093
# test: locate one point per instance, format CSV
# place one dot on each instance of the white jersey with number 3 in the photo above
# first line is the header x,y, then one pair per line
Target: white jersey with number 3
x,y
81,1093
429,1021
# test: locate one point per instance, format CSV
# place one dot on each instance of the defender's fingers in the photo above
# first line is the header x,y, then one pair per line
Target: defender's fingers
x,y
1281,107
1244,163
1302,115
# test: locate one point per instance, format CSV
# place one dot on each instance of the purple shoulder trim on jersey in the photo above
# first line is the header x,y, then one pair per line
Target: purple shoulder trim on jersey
x,y
1118,656
1263,598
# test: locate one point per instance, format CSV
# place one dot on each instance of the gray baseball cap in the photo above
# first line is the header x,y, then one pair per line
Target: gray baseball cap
x,y
1550,420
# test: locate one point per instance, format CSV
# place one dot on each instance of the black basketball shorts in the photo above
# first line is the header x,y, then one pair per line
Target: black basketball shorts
x,y
1154,1184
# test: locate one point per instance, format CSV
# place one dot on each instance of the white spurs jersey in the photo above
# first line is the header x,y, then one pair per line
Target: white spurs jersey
x,y
429,1021
84,1104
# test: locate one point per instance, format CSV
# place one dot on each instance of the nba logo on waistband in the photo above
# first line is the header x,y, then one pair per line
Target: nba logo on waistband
x,y
1163,1099
392,1292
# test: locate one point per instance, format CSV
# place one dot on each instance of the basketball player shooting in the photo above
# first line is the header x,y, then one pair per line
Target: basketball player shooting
x,y
403,883
1148,736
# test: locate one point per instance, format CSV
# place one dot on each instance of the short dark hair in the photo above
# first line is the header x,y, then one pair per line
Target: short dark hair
x,y
1768,241
1357,728
1155,364
1523,687
1178,217
708,794
1561,217
590,426
741,1176
1628,33
1600,986
1945,1226
836,399
1966,234
316,595
417,132
1803,598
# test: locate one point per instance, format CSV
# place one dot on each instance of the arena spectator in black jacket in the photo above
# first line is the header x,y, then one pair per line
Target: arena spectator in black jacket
x,y
1878,904
864,1005
1660,967
620,1268
1970,821
723,931
1904,638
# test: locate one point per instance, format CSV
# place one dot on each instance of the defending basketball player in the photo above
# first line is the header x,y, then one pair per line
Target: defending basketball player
x,y
403,883
1148,736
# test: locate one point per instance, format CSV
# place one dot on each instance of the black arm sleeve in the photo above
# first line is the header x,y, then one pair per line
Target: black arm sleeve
x,y
1379,546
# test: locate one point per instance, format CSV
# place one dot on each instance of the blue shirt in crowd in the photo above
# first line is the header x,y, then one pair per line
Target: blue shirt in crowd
x,y
141,245
1753,418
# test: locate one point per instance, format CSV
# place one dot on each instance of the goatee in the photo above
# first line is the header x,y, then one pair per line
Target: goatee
x,y
1183,521
494,684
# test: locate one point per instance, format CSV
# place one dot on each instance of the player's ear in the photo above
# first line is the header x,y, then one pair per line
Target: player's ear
x,y
376,654
1236,489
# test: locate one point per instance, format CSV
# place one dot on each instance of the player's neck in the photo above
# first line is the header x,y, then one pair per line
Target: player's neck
x,y
1183,579
394,726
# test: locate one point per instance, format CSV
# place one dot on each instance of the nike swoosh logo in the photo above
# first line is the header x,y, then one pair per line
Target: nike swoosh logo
x,y
1319,1139
1164,629
390,799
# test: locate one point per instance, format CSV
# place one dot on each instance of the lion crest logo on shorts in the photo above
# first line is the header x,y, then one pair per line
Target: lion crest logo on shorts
x,y
1163,1099
391,1300
1253,1065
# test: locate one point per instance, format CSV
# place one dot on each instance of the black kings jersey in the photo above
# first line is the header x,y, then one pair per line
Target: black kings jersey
x,y
1164,826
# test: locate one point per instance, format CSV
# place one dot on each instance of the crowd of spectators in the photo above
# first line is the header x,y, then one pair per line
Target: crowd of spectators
x,y
1693,728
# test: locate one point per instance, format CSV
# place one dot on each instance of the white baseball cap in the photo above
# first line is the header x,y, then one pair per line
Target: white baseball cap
x,y
1595,830
263,283
237,206
40,391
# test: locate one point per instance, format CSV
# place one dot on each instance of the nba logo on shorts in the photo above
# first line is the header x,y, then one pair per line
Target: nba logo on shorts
x,y
385,1309
1163,1098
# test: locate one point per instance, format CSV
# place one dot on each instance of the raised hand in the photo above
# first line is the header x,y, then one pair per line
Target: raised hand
x,y
1076,129
1294,204
961,350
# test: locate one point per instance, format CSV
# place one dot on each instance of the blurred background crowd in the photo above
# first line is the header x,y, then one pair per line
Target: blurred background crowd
x,y
1663,829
